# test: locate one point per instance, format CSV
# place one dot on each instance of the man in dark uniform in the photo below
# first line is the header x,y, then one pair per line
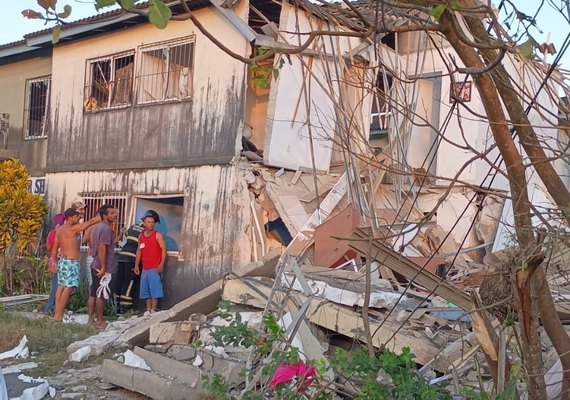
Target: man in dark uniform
x,y
127,282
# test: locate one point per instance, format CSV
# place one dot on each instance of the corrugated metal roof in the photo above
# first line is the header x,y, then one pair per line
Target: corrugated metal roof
x,y
111,17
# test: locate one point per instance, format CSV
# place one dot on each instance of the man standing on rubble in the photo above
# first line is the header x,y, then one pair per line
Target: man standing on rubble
x,y
152,253
68,268
102,249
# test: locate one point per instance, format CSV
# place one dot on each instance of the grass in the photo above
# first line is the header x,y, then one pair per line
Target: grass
x,y
47,338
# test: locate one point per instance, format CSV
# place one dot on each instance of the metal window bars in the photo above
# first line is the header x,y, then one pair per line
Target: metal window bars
x,y
109,82
37,108
94,201
165,71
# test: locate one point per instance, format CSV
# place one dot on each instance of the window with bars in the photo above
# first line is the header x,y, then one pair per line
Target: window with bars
x,y
109,82
165,71
381,105
94,201
37,108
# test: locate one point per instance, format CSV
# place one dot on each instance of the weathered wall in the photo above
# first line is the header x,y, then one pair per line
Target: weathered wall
x,y
216,214
200,131
301,99
12,101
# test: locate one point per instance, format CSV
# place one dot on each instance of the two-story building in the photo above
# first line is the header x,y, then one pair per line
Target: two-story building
x,y
122,112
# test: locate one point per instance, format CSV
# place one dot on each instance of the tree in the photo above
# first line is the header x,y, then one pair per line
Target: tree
x,y
481,43
21,218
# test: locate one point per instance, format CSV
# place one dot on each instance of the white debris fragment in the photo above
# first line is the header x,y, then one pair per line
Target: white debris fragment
x,y
80,354
198,361
132,360
20,351
219,350
81,319
16,369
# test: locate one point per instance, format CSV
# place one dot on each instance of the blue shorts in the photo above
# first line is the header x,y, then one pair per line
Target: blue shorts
x,y
151,284
67,272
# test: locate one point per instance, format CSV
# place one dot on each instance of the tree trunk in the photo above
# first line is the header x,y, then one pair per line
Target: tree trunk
x,y
554,329
521,208
513,104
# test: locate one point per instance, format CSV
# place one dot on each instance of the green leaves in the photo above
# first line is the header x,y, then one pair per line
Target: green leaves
x,y
159,14
438,11
99,4
127,4
527,48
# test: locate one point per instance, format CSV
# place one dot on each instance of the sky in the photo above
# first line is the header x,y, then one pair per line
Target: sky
x,y
15,26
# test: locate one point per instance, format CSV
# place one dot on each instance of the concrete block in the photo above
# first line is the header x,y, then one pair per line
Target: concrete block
x,y
173,332
180,353
148,383
99,343
166,366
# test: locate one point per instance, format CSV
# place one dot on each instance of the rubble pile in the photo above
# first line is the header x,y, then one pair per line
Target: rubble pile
x,y
340,282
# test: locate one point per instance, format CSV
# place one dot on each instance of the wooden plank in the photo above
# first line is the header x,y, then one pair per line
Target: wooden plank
x,y
404,266
304,237
336,318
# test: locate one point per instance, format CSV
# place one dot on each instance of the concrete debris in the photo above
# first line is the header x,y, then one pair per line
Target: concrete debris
x,y
135,361
80,354
17,368
416,289
173,332
20,351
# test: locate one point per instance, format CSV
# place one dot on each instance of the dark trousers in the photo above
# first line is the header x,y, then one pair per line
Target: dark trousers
x,y
127,285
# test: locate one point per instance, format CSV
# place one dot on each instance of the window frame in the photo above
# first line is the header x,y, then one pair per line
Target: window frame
x,y
191,39
112,198
89,83
27,108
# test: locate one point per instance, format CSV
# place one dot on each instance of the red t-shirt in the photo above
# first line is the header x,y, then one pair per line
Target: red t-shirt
x,y
151,253
50,240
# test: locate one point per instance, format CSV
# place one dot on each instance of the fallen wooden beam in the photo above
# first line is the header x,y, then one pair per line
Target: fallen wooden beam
x,y
404,266
336,318
205,301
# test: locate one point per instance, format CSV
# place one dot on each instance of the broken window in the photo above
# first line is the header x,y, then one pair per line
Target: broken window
x,y
170,210
37,108
165,71
109,82
381,108
94,201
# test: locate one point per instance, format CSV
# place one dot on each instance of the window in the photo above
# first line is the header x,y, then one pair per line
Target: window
x,y
37,108
381,110
109,82
94,201
165,71
170,210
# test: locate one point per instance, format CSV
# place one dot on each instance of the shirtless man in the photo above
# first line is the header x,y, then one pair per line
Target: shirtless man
x,y
68,264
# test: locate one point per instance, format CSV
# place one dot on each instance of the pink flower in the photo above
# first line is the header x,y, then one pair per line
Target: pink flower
x,y
286,373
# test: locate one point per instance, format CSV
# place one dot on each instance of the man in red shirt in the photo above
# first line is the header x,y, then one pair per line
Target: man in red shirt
x,y
152,253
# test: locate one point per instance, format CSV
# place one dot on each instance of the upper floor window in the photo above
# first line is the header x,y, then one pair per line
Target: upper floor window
x,y
36,113
109,82
165,71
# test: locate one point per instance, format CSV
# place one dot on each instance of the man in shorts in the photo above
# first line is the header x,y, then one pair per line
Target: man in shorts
x,y
102,249
68,268
152,253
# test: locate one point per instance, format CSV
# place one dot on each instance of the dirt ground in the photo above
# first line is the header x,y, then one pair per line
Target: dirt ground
x,y
48,343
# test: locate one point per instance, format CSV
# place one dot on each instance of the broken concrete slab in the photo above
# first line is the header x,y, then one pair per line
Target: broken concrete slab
x,y
205,301
148,383
172,333
336,318
102,341
166,366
